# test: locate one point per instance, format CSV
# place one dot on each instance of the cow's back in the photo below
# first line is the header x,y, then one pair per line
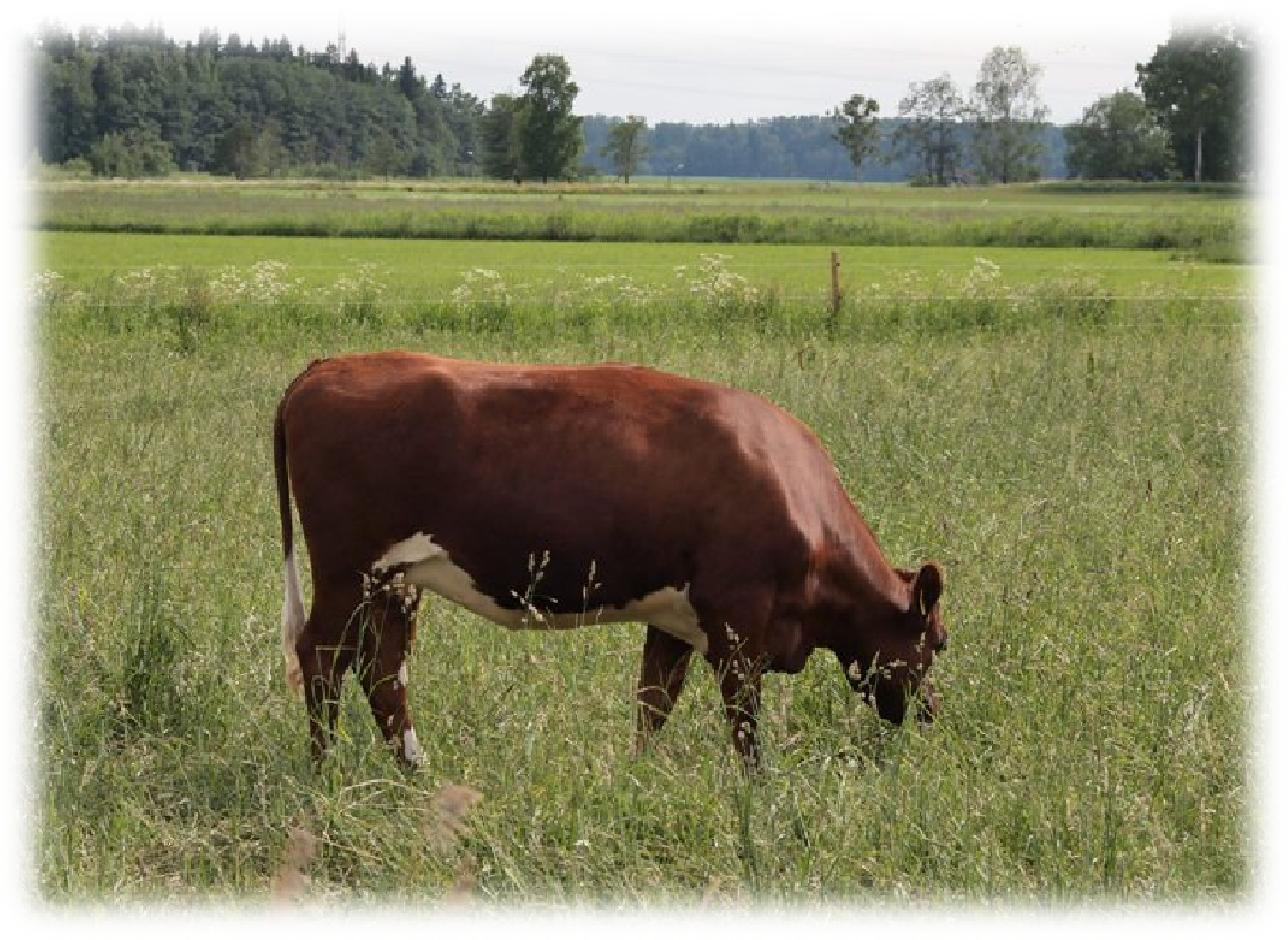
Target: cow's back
x,y
616,480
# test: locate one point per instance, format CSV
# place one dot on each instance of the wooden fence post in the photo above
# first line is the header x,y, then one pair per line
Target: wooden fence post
x,y
836,285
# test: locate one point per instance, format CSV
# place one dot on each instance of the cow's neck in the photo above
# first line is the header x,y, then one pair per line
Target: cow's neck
x,y
858,587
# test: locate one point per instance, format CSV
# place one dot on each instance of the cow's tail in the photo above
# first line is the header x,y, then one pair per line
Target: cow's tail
x,y
293,604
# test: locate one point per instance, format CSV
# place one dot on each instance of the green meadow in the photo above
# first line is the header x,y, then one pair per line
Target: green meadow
x,y
434,267
1065,430
1207,219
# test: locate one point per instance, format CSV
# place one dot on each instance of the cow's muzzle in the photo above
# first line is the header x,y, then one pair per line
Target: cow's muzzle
x,y
927,702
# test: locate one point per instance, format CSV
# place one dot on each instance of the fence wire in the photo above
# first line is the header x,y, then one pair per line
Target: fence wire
x,y
814,298
671,265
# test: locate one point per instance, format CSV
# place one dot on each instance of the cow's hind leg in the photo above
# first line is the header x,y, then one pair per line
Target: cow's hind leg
x,y
385,645
325,648
662,672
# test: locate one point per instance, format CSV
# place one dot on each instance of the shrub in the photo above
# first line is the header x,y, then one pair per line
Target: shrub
x,y
133,153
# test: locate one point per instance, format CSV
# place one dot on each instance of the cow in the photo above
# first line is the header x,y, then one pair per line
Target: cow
x,y
551,496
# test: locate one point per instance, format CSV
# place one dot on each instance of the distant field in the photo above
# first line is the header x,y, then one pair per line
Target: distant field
x,y
777,213
430,269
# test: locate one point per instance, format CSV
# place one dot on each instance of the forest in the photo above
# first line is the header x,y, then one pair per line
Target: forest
x,y
136,100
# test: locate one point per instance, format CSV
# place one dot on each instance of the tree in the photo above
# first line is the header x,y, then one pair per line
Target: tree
x,y
408,82
931,131
67,104
136,152
245,152
1118,138
112,111
857,129
549,133
1198,85
463,113
1008,116
499,139
626,146
383,157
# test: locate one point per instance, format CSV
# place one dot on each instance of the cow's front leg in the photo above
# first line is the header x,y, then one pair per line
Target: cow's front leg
x,y
662,672
385,646
737,653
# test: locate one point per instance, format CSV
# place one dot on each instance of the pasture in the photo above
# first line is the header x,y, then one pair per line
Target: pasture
x,y
425,269
1067,433
1207,219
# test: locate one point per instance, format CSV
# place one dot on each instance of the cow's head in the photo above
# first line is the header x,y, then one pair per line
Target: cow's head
x,y
889,657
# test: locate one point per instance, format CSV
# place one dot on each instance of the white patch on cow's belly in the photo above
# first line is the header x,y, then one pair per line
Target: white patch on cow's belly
x,y
668,609
420,547
428,566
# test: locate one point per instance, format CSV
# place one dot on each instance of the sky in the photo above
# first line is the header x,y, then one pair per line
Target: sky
x,y
696,62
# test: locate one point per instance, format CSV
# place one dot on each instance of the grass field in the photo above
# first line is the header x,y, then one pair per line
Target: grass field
x,y
433,268
1208,220
1076,465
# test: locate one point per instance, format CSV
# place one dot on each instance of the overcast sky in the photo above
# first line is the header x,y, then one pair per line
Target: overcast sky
x,y
696,61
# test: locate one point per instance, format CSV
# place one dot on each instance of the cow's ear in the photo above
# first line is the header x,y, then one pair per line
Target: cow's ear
x,y
926,589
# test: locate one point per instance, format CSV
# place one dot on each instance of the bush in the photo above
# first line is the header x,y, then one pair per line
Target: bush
x,y
78,168
134,153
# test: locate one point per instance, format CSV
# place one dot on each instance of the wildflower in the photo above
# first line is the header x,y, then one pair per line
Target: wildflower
x,y
44,286
481,286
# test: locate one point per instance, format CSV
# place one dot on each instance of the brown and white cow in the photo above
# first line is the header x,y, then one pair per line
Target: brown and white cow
x,y
562,496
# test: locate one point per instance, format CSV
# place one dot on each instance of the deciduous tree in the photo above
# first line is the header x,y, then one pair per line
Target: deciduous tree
x,y
626,145
132,153
1198,85
383,158
1008,116
1118,138
245,152
932,129
549,133
857,129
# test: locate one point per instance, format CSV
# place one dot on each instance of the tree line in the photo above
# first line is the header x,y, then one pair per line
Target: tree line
x,y
799,147
131,102
1194,99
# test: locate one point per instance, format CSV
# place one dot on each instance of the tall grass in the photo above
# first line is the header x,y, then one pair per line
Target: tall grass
x,y
989,216
706,297
1022,231
1075,464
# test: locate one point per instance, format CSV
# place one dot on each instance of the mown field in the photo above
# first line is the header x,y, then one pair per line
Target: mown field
x,y
1072,446
427,269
